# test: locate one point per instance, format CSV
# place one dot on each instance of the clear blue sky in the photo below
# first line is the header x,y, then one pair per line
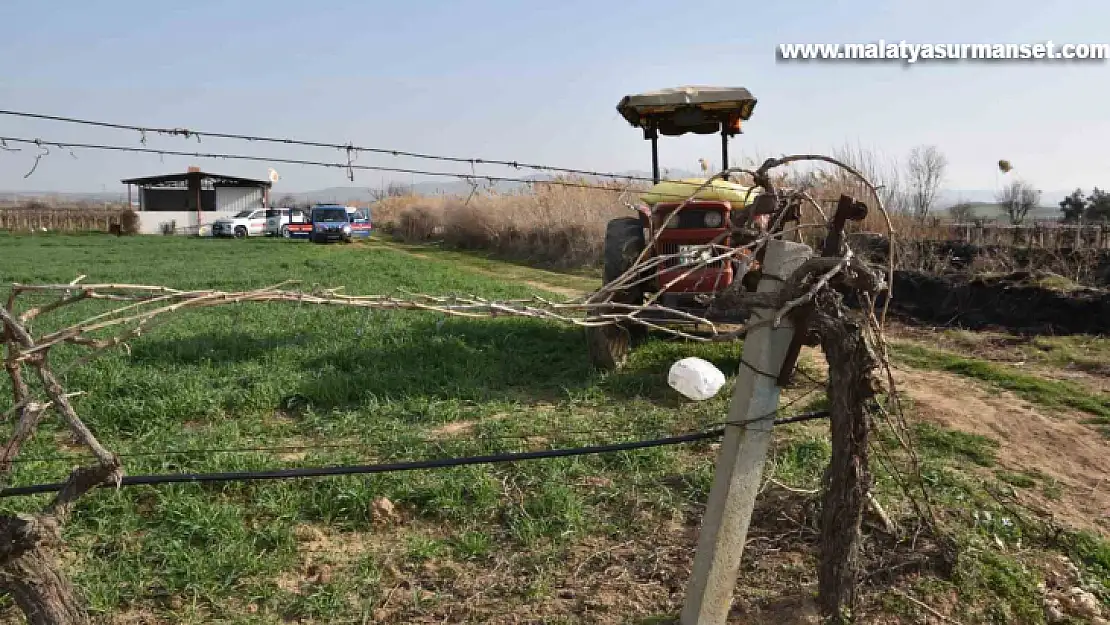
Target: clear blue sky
x,y
539,82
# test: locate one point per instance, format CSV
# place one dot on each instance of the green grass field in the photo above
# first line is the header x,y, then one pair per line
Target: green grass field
x,y
605,538
261,375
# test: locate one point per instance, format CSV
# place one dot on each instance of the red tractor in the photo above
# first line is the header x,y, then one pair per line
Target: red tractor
x,y
722,214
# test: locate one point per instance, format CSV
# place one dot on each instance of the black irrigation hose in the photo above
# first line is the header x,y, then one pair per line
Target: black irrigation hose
x,y
286,448
805,416
438,463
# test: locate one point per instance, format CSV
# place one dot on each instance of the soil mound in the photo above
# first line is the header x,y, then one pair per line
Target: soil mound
x,y
1021,302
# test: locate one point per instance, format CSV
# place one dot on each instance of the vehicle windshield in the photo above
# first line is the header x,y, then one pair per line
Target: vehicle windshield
x,y
243,214
329,214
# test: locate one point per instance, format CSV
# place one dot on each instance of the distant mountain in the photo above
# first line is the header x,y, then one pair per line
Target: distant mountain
x,y
984,205
340,195
990,211
949,197
457,187
366,194
460,187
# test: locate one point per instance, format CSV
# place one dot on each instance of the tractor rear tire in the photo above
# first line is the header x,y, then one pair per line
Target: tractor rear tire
x,y
609,346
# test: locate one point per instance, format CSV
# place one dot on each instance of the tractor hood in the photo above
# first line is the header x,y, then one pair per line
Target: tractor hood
x,y
680,190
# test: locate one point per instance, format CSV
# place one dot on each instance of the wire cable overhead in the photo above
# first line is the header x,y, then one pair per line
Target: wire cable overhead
x,y
347,166
349,148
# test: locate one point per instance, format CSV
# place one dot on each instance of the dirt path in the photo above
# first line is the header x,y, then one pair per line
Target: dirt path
x,y
1055,444
562,291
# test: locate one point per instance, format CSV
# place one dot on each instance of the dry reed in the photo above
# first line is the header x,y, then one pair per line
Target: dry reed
x,y
550,225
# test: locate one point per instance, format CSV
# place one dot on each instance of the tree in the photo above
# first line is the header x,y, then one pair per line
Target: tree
x,y
1098,205
287,201
962,212
1074,207
394,189
1017,199
926,167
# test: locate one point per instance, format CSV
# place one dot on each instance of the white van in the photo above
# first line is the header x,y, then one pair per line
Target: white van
x,y
278,218
246,223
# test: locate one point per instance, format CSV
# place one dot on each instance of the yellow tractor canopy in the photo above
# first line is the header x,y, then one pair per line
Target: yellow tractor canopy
x,y
693,109
699,110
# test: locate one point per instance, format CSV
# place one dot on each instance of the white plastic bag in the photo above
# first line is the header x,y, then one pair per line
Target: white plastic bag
x,y
695,378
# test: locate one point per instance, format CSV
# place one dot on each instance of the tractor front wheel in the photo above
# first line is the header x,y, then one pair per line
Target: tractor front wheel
x,y
610,345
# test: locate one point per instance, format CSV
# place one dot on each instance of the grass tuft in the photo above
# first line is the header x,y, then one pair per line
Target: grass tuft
x,y
953,443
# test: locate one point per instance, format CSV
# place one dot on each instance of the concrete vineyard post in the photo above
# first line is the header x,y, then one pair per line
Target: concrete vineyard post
x,y
743,450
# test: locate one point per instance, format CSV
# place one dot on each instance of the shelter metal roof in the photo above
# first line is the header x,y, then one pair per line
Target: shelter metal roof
x,y
216,179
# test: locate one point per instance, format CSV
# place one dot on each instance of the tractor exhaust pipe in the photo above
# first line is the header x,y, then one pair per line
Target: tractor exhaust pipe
x,y
653,134
724,147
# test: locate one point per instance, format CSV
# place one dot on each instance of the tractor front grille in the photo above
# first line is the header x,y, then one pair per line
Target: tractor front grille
x,y
667,248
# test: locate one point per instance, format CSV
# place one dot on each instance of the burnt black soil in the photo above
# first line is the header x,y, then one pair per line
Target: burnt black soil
x,y
1017,303
1090,267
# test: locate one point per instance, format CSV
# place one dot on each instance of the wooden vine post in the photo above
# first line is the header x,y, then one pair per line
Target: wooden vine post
x,y
847,478
29,570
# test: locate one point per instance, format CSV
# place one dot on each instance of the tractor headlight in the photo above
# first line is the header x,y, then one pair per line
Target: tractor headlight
x,y
713,219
